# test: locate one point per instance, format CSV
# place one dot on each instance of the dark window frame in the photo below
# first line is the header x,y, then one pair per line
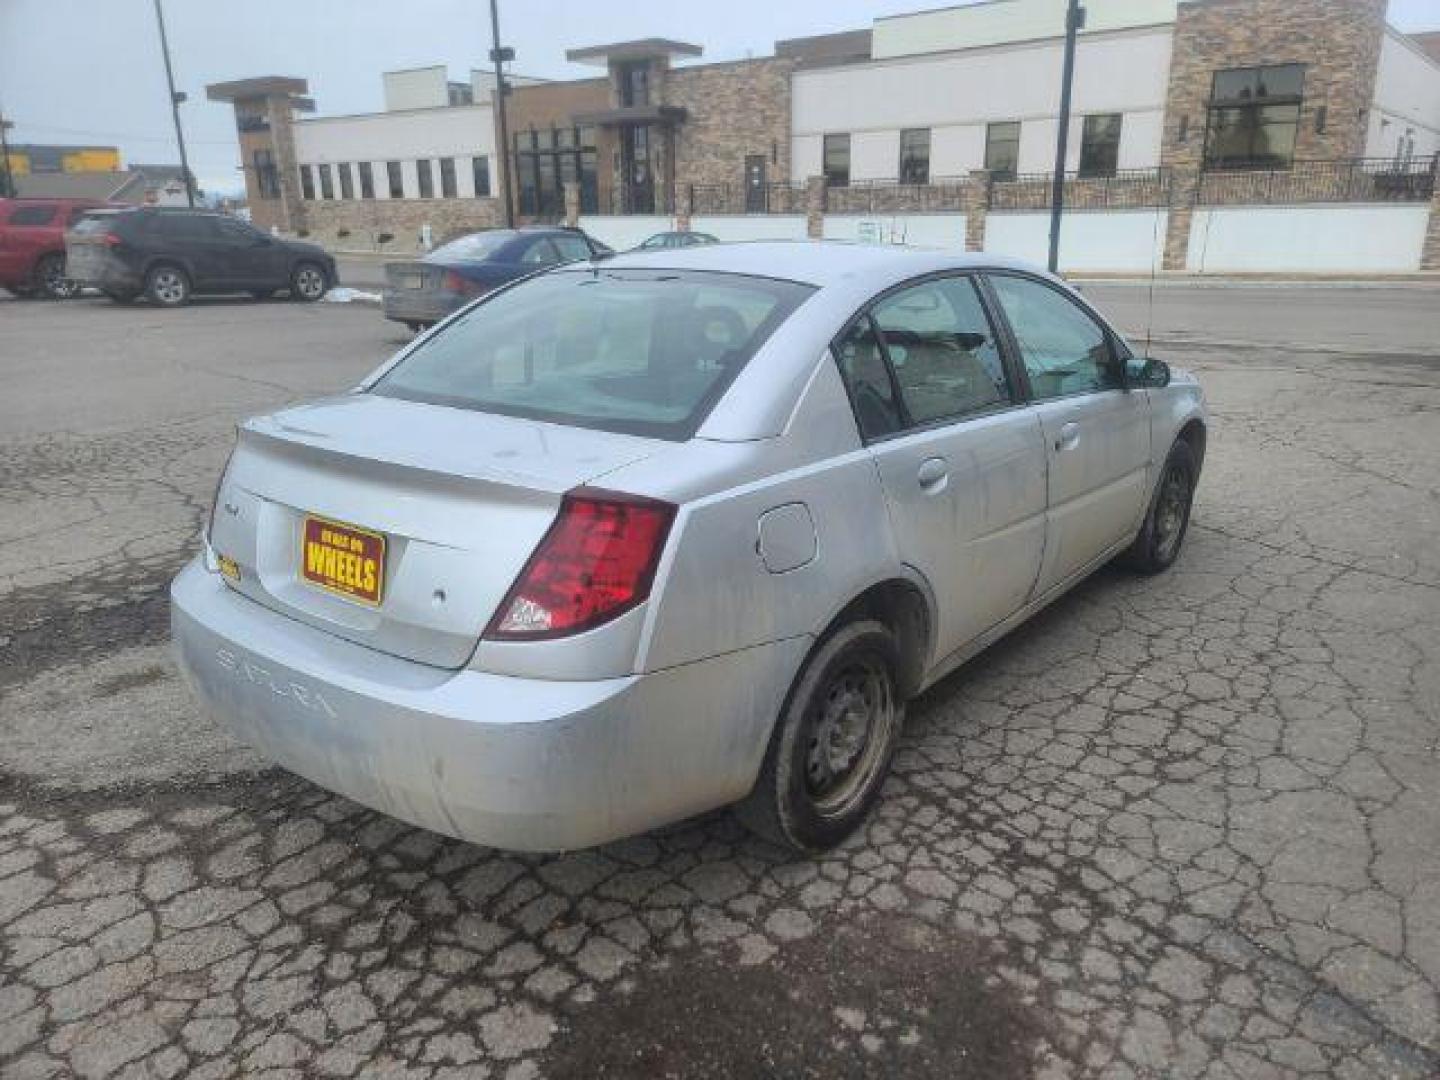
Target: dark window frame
x,y
1100,156
346,177
1010,361
448,188
424,178
910,172
307,182
991,142
327,183
367,179
395,179
480,175
267,174
826,141
1251,107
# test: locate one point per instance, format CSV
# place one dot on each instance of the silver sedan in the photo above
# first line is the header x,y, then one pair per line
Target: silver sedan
x,y
654,534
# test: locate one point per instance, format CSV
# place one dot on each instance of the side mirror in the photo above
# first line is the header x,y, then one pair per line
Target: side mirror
x,y
1149,372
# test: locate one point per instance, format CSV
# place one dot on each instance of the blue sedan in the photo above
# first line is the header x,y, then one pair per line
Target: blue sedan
x,y
421,292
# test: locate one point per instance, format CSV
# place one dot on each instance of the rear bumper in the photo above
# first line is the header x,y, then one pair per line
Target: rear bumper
x,y
418,305
524,764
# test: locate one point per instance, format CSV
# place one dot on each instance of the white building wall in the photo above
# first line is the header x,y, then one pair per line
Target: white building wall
x,y
997,23
625,231
945,231
1104,241
1307,239
1407,100
751,226
957,94
418,88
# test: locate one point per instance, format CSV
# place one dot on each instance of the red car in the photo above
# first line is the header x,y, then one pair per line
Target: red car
x,y
32,244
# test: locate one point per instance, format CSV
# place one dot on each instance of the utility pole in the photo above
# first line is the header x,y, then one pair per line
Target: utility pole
x,y
498,56
175,100
7,187
1074,21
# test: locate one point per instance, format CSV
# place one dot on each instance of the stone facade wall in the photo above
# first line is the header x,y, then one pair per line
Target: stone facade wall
x,y
1338,41
1430,255
366,219
735,110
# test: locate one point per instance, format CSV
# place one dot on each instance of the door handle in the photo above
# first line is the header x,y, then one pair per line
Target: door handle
x,y
933,473
1068,437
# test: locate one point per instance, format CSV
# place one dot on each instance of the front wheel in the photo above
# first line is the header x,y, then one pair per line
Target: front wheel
x,y
308,282
50,274
832,746
1158,545
167,285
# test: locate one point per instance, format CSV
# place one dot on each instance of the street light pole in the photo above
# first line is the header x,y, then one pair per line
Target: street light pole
x,y
1074,20
175,100
498,56
7,189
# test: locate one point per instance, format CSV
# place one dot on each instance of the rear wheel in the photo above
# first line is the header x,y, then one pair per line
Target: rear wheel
x,y
832,745
308,282
1158,545
50,275
167,285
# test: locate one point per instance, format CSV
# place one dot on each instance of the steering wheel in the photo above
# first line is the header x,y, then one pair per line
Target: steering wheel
x,y
720,333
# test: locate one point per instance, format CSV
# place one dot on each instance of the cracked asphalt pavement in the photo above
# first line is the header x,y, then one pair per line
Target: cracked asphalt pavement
x,y
1182,826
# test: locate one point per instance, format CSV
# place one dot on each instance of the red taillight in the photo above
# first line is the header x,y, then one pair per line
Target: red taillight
x,y
453,282
596,563
111,240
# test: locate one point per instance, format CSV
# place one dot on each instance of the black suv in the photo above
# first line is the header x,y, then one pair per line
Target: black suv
x,y
170,255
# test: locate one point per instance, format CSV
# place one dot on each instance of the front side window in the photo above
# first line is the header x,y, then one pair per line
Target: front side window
x,y
1100,145
481,169
427,181
645,352
347,182
1002,149
307,182
237,232
540,253
367,180
571,248
327,185
1254,117
837,160
942,351
447,177
395,179
1065,351
915,156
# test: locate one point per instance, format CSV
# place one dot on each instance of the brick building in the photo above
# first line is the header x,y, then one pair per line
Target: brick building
x,y
1170,97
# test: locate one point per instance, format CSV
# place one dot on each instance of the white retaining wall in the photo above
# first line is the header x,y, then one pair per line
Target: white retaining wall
x,y
917,230
623,231
1314,239
1109,241
751,227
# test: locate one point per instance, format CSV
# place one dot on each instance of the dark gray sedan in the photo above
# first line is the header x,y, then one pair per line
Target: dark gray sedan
x,y
421,292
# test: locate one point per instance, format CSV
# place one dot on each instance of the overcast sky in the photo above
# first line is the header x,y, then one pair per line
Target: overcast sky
x,y
89,71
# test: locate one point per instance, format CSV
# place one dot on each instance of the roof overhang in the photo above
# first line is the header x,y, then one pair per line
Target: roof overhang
x,y
262,86
643,49
634,114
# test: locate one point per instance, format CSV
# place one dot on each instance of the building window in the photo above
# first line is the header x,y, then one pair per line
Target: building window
x,y
427,181
1002,149
837,160
447,177
1254,117
1100,145
395,179
267,176
634,82
327,187
544,160
307,182
480,166
915,156
347,182
367,180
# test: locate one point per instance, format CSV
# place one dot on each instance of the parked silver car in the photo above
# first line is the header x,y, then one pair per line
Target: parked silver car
x,y
645,536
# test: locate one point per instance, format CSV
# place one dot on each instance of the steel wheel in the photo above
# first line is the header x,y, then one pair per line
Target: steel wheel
x,y
1157,545
849,728
309,282
53,282
1171,510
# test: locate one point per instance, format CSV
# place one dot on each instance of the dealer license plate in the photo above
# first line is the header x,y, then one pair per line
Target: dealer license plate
x,y
343,559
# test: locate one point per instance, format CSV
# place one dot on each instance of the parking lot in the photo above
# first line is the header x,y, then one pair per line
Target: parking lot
x,y
1176,826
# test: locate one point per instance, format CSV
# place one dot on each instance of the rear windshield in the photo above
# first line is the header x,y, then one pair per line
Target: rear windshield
x,y
645,352
95,223
475,246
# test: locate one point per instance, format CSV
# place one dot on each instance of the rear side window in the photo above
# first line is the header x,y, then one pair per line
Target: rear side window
x,y
639,352
185,227
32,215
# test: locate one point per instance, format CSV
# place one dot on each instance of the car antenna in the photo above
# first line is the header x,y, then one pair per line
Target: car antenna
x,y
1150,301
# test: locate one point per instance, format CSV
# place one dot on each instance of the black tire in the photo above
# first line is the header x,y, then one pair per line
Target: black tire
x,y
51,280
1166,521
308,282
167,285
800,801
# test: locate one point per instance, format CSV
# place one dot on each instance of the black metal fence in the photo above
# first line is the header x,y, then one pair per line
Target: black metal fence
x,y
774,198
1124,189
892,196
1360,180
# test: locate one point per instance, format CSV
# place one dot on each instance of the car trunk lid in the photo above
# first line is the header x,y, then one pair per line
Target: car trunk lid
x,y
458,500
414,275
